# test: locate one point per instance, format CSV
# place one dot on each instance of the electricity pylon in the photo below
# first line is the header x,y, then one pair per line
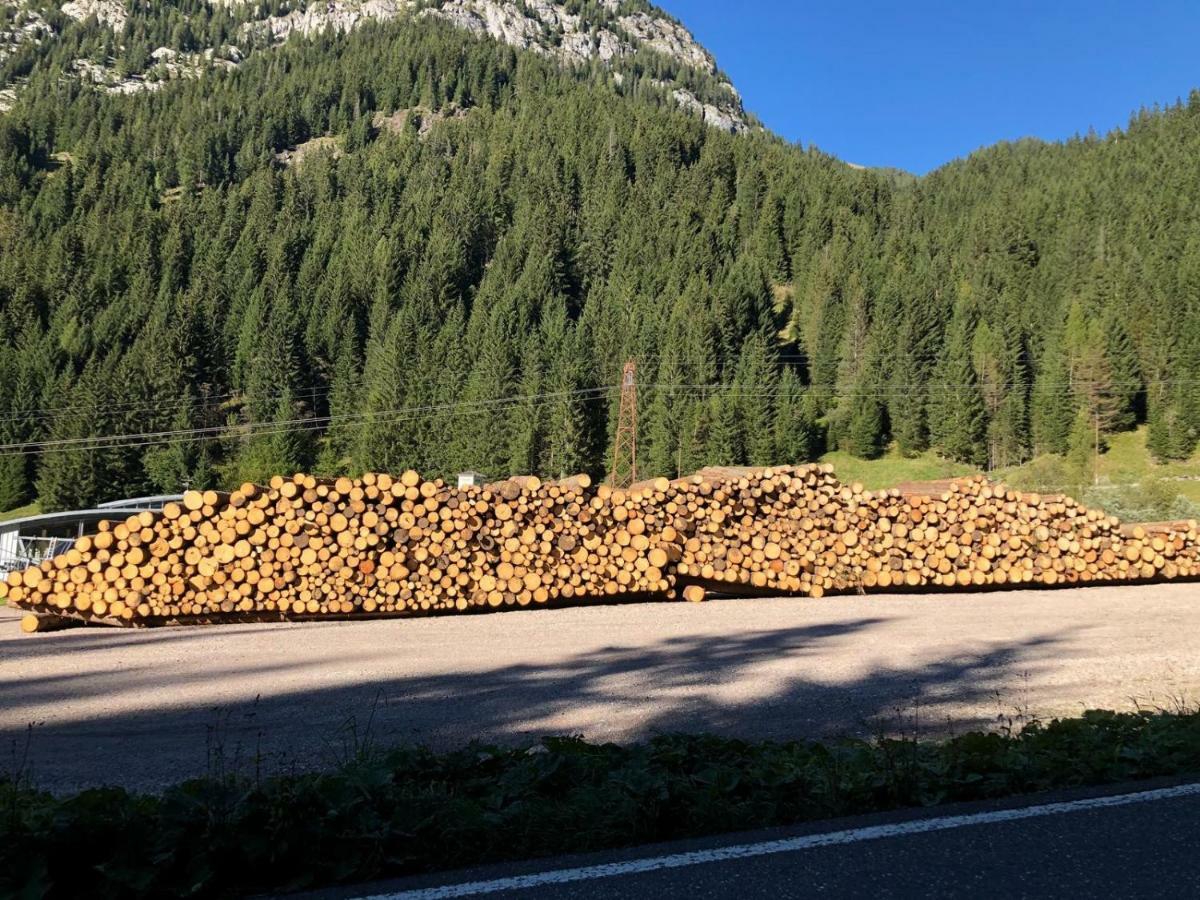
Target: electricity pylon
x,y
624,462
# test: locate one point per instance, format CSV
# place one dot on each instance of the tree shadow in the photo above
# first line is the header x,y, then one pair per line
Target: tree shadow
x,y
791,682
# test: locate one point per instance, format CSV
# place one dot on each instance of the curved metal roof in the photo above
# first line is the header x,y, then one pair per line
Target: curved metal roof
x,y
137,504
116,509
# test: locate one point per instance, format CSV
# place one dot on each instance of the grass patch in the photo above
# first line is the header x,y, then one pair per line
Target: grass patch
x,y
1131,484
411,810
30,509
893,468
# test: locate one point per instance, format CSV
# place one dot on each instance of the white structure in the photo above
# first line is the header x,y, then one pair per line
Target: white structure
x,y
27,541
471,479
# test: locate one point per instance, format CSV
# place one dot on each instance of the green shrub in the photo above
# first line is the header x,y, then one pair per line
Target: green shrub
x,y
412,810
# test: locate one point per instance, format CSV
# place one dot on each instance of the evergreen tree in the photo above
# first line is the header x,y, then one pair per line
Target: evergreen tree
x,y
662,424
724,445
72,474
1082,450
754,385
1125,372
957,417
866,423
797,434
1052,405
905,394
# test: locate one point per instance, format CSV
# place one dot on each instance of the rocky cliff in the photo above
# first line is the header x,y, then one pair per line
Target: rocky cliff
x,y
611,33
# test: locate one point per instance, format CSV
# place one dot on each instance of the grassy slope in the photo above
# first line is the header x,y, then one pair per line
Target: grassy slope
x,y
892,469
1127,461
1130,479
30,509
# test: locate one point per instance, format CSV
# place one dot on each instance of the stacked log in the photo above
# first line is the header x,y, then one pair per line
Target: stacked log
x,y
377,545
381,545
803,532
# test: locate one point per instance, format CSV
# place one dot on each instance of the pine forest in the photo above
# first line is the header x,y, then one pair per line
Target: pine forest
x,y
406,247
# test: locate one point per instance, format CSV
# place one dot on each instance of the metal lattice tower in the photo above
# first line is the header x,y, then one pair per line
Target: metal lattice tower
x,y
624,462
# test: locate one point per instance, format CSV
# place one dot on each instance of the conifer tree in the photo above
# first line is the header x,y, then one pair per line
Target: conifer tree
x,y
905,395
696,435
1082,450
525,426
957,416
865,432
797,434
754,385
723,446
663,423
1126,375
17,402
75,476
1051,405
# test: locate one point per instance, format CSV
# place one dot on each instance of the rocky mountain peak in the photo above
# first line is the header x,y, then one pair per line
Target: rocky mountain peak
x,y
611,33
614,30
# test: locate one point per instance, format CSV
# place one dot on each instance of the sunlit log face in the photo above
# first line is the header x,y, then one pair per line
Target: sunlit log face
x,y
384,545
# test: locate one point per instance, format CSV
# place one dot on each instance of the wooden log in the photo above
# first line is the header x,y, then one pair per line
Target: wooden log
x,y
404,545
41,624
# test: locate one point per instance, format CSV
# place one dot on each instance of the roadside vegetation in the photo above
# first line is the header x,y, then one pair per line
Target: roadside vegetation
x,y
411,810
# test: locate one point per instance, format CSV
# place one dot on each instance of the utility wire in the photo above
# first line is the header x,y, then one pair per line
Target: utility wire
x,y
317,423
313,393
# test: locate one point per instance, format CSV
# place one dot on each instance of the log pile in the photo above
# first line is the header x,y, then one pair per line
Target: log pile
x,y
381,545
803,532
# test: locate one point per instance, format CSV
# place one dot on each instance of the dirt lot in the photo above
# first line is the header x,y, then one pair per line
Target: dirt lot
x,y
144,708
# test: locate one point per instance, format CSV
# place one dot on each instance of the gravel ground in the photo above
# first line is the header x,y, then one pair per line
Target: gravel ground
x,y
147,708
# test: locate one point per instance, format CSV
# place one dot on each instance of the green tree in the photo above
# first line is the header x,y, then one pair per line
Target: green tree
x,y
957,415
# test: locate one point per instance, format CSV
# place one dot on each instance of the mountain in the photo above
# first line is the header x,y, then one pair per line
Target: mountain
x,y
405,243
622,36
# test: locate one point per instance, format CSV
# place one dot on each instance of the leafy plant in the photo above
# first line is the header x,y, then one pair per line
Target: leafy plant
x,y
412,810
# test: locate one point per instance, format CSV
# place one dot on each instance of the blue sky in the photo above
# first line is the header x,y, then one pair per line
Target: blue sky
x,y
917,84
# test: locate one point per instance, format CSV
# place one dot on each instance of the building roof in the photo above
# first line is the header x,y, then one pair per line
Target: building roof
x,y
137,504
116,509
58,518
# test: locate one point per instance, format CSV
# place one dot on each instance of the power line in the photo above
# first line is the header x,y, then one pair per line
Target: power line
x,y
250,429
254,429
313,393
317,423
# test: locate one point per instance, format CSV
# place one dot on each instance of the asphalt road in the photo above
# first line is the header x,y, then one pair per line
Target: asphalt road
x,y
146,708
1143,845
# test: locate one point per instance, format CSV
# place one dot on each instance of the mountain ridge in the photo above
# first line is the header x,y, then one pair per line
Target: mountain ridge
x,y
608,32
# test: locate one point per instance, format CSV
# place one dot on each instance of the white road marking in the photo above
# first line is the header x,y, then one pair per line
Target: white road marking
x,y
787,845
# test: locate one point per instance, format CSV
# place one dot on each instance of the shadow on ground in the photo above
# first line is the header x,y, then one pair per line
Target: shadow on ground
x,y
744,684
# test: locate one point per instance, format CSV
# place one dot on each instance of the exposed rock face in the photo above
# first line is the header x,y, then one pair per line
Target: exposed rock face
x,y
425,119
27,26
669,39
715,116
539,26
110,12
339,15
169,64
